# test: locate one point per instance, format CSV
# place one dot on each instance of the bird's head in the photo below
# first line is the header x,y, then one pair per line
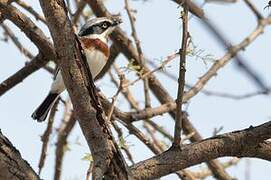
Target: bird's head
x,y
99,28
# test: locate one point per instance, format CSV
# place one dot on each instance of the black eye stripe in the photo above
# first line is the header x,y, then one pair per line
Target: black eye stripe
x,y
87,31
96,29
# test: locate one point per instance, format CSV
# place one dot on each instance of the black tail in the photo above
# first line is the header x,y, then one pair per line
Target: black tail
x,y
42,111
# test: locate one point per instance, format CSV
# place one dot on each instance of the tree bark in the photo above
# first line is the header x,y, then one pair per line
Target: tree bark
x,y
246,143
108,161
12,166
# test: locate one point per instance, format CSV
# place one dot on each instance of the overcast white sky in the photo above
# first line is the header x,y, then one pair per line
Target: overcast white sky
x,y
159,30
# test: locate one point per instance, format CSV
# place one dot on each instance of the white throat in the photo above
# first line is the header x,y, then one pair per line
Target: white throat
x,y
98,36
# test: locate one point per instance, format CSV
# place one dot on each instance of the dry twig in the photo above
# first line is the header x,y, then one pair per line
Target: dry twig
x,y
64,131
30,10
181,81
46,136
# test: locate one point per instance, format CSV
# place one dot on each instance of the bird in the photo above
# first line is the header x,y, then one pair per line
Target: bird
x,y
93,37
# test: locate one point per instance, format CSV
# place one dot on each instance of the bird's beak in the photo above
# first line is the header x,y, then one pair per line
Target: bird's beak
x,y
116,21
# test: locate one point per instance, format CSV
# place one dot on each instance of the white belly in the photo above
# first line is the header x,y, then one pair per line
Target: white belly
x,y
96,61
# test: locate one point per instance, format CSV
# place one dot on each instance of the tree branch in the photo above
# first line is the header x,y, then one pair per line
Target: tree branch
x,y
126,47
203,80
245,143
45,138
108,161
35,35
33,32
139,52
226,58
12,166
64,131
30,10
181,81
34,65
192,7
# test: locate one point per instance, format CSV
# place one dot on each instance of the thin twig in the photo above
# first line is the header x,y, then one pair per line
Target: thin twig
x,y
80,7
220,1
125,91
234,96
122,142
139,51
219,64
135,131
46,136
30,10
239,61
160,130
21,47
151,132
147,74
16,41
184,174
114,98
64,131
253,8
181,82
202,174
166,73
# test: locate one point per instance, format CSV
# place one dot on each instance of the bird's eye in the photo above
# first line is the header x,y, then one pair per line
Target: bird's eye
x,y
104,25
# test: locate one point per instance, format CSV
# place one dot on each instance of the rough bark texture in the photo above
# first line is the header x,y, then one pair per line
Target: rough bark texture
x,y
12,166
127,48
33,32
107,160
245,143
249,142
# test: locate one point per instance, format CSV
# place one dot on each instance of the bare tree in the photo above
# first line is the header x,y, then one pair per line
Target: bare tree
x,y
98,116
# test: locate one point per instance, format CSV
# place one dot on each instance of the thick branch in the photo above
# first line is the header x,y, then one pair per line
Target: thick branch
x,y
33,32
35,35
246,143
12,166
214,165
126,47
108,161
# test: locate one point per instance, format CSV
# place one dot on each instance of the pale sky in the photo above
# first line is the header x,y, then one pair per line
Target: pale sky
x,y
159,29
